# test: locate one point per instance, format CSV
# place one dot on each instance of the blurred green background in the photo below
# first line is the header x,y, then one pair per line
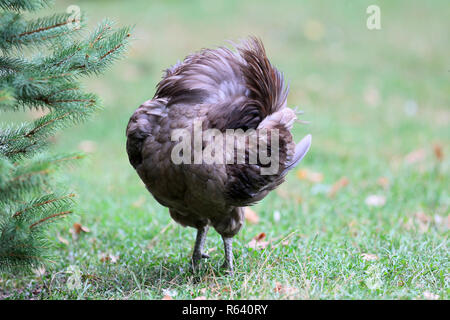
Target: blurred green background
x,y
378,104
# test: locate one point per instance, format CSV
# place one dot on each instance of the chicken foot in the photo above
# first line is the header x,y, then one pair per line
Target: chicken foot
x,y
198,247
228,264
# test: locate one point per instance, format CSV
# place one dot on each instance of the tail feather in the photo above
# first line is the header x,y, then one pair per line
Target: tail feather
x,y
265,82
301,149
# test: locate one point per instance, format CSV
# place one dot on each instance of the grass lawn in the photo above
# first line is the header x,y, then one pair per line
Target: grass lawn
x,y
364,216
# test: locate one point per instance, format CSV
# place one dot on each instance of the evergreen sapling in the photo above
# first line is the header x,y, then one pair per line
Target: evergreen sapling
x,y
41,63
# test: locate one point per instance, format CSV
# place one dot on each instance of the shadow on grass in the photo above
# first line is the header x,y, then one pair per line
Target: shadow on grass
x,y
178,272
155,278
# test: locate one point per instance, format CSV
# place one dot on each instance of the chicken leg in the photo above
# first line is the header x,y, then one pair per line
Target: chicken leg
x,y
228,264
198,247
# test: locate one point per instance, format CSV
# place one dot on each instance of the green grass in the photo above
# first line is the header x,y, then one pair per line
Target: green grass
x,y
355,87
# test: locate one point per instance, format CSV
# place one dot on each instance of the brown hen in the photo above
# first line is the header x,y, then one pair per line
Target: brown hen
x,y
216,89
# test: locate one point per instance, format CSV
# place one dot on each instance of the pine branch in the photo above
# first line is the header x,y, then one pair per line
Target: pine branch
x,y
19,33
24,5
27,139
46,200
41,29
103,29
40,125
49,217
27,178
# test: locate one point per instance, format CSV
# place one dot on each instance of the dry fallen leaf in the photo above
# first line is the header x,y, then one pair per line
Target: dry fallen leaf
x,y
251,216
285,290
369,257
338,185
375,200
304,174
260,236
257,242
107,257
438,153
104,257
76,229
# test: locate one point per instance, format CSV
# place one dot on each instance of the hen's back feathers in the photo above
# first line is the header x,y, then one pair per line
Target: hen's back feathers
x,y
243,84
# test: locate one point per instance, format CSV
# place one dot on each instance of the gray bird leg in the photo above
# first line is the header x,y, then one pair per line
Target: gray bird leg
x,y
228,264
198,247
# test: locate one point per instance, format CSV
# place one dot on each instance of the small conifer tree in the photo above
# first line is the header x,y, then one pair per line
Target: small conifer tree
x,y
41,63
